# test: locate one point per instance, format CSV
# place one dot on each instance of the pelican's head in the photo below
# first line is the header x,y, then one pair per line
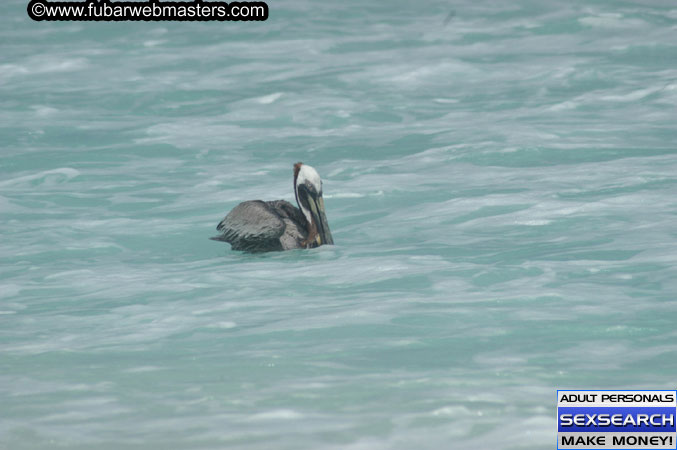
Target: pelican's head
x,y
308,190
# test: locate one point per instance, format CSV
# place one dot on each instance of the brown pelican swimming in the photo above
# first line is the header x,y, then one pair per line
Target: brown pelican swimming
x,y
258,226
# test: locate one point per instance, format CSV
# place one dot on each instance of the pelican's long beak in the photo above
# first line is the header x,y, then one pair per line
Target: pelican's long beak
x,y
316,204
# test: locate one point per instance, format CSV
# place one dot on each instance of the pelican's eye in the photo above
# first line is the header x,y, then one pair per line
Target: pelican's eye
x,y
311,188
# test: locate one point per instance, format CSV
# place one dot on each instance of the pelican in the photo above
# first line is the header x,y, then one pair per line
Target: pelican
x,y
258,226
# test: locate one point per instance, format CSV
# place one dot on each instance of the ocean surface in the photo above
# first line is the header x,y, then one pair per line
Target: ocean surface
x,y
500,179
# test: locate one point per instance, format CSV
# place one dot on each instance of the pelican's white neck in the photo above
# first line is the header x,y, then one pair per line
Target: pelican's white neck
x,y
306,176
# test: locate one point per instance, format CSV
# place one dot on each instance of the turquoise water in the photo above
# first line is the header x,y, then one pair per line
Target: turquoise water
x,y
501,183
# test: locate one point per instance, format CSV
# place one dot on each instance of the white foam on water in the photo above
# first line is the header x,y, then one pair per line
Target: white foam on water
x,y
344,195
611,20
44,111
268,99
278,414
48,177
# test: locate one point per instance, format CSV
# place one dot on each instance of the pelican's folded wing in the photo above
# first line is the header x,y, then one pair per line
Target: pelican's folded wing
x,y
252,226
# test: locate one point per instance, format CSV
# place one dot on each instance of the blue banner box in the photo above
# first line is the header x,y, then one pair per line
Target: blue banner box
x,y
609,419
